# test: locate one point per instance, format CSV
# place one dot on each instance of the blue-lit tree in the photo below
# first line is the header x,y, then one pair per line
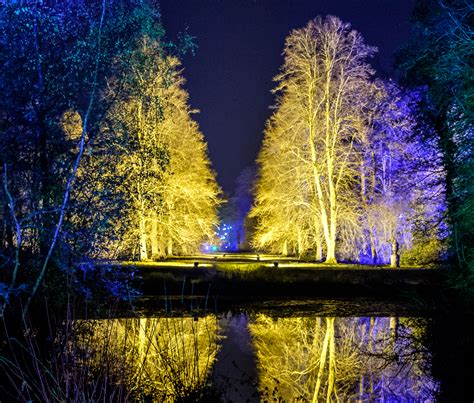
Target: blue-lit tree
x,y
400,180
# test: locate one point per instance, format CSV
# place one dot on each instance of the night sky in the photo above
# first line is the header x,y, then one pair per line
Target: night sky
x,y
239,46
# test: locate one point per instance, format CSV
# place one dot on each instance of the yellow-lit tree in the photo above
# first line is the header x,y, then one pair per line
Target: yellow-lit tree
x,y
323,85
166,180
287,219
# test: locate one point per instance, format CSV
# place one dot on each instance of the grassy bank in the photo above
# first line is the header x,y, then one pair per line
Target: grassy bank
x,y
240,279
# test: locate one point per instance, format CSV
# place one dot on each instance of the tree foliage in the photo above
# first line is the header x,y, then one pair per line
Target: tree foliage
x,y
324,80
166,182
340,164
439,56
95,124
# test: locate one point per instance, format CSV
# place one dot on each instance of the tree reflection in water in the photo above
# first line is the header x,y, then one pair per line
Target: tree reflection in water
x,y
342,359
156,359
298,358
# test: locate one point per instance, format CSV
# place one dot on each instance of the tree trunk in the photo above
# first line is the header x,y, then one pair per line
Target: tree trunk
x,y
299,245
319,248
372,238
331,247
169,248
155,247
373,250
143,239
365,201
284,248
325,220
331,252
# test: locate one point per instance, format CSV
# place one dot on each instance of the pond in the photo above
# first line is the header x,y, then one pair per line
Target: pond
x,y
264,354
308,350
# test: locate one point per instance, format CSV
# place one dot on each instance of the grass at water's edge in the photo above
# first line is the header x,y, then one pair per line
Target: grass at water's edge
x,y
256,279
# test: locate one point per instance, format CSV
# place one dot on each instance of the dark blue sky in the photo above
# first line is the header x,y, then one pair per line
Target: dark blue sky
x,y
239,46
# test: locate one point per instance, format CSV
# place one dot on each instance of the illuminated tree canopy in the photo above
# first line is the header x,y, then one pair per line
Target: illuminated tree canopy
x,y
165,176
337,153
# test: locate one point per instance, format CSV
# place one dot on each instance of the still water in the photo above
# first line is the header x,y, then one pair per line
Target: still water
x,y
261,355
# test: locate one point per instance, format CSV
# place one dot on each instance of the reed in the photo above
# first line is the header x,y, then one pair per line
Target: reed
x,y
116,359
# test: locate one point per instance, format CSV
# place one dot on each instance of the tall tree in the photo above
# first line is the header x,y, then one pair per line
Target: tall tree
x,y
439,56
400,190
58,60
341,163
284,207
167,184
323,84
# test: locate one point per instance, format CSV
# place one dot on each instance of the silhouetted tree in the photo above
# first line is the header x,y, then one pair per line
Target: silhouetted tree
x,y
439,56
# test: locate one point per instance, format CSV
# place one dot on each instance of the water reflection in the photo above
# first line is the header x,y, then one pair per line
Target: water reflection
x,y
156,359
342,359
261,357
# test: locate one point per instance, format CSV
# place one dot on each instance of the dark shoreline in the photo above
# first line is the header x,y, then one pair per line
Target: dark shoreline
x,y
300,281
197,306
221,286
